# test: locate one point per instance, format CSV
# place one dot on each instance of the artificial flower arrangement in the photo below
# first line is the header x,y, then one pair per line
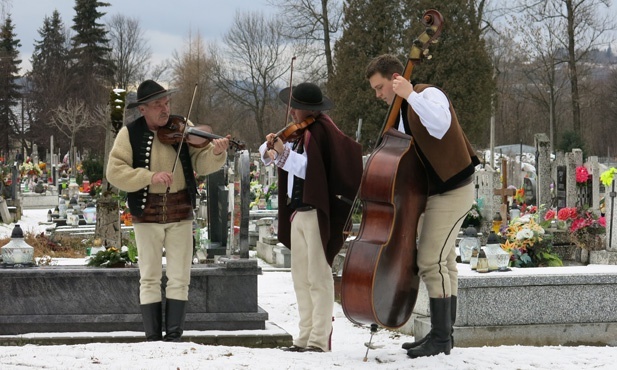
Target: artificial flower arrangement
x,y
259,191
114,257
528,243
29,168
586,228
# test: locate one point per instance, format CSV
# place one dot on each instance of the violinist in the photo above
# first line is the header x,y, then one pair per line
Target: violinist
x,y
315,171
161,199
428,116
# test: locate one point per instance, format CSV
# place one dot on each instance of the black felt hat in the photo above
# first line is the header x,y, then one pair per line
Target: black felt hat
x,y
306,96
149,91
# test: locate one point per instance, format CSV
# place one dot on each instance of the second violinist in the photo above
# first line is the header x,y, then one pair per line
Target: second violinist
x,y
315,171
161,198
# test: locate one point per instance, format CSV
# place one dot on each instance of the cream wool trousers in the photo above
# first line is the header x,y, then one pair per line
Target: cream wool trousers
x,y
313,282
177,239
438,229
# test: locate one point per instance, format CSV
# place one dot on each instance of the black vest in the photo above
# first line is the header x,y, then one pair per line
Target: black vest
x,y
141,139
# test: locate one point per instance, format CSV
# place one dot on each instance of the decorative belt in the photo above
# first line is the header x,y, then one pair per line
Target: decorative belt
x,y
165,208
304,209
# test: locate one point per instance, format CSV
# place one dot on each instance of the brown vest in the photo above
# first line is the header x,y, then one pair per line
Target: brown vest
x,y
451,160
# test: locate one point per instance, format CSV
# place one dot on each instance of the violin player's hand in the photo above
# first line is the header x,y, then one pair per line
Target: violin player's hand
x,y
220,145
276,146
165,178
401,86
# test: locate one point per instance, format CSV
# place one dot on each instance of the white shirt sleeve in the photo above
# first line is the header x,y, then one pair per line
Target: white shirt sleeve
x,y
433,108
295,164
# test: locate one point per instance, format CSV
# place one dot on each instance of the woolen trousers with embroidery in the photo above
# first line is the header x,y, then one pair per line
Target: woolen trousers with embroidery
x,y
438,229
177,239
313,282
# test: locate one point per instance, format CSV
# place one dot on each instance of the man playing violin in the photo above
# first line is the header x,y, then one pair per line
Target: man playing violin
x,y
427,115
161,199
315,171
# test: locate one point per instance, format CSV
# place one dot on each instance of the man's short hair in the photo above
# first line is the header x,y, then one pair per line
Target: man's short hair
x,y
386,65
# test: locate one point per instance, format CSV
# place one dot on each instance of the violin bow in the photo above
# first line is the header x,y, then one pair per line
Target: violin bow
x,y
173,169
291,78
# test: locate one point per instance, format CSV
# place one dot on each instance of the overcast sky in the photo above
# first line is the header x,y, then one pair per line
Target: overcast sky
x,y
166,23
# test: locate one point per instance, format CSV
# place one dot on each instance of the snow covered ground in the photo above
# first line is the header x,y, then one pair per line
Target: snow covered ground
x,y
276,296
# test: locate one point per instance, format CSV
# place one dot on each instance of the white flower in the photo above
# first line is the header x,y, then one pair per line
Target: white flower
x,y
524,234
124,248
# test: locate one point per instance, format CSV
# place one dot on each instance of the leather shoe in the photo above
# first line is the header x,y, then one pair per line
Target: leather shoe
x,y
312,349
293,348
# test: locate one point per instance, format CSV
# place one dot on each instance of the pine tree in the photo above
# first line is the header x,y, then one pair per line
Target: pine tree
x,y
460,64
91,68
371,28
49,78
10,94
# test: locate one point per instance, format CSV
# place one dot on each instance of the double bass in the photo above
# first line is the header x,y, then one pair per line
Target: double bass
x,y
380,276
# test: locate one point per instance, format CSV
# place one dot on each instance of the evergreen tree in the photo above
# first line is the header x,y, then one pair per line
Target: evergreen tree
x,y
460,63
91,67
10,94
49,78
461,66
370,28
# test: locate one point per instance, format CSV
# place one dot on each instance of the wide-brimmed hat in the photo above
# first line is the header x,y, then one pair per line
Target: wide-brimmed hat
x,y
149,91
306,96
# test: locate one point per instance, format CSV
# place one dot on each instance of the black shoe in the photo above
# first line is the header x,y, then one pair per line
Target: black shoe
x,y
312,349
293,348
441,330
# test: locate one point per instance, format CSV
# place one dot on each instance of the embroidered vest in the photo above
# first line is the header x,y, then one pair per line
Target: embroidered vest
x,y
141,143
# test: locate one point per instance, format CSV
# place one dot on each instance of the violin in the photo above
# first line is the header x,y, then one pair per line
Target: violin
x,y
196,136
292,131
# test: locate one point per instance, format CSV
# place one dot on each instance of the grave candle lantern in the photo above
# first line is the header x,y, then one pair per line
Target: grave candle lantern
x,y
17,253
468,243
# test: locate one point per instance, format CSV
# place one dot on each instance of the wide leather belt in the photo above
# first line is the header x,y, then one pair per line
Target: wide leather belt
x,y
166,208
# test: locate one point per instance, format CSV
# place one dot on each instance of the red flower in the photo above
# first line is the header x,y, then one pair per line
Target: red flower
x,y
582,175
550,214
563,214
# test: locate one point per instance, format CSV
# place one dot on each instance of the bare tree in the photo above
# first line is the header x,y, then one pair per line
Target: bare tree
x,y
190,68
129,50
251,63
70,119
315,23
579,26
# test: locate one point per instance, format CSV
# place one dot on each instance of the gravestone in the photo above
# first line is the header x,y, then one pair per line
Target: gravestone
x,y
217,213
574,159
543,170
560,187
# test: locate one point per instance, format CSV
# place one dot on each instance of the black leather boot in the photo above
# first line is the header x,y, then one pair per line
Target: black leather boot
x,y
409,345
175,312
441,330
152,316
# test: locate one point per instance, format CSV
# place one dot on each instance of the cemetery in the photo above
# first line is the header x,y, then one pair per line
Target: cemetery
x,y
555,289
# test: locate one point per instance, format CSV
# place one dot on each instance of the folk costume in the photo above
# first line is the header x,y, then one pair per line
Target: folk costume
x,y
322,164
450,163
161,221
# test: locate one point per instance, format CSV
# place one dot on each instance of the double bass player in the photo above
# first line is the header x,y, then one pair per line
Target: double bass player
x,y
429,118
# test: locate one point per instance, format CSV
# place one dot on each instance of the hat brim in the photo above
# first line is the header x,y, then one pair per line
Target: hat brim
x,y
151,98
325,104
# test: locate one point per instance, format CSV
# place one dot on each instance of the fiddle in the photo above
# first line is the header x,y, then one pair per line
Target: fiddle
x,y
292,131
199,136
